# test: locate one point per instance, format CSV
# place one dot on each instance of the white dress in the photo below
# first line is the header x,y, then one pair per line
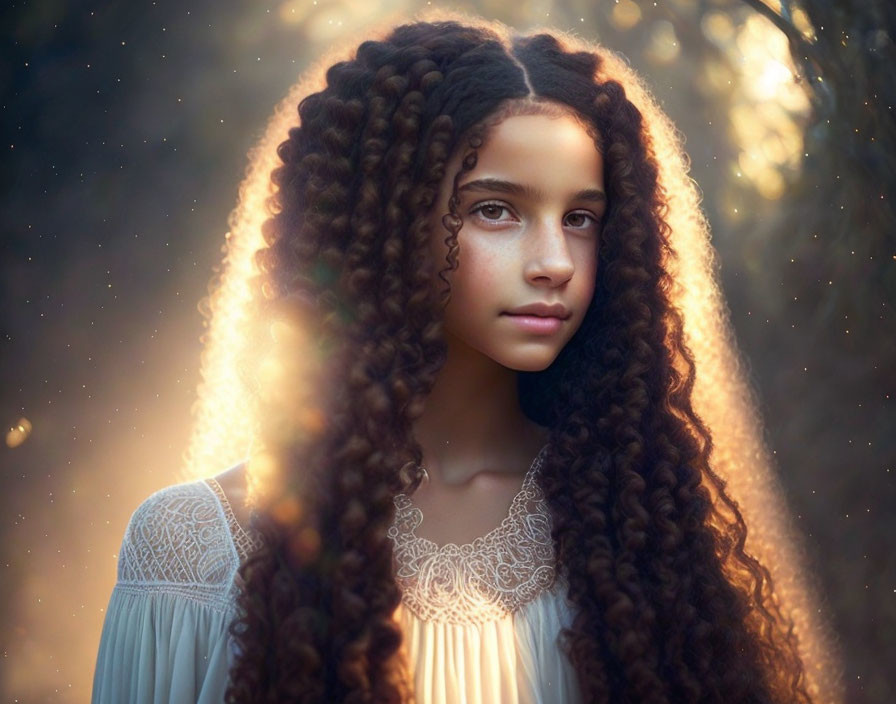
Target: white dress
x,y
480,620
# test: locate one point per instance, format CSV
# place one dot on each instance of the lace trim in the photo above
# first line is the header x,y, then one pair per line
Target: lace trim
x,y
202,594
485,580
184,540
243,542
175,537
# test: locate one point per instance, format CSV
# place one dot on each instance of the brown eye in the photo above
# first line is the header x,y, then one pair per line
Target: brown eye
x,y
580,220
491,211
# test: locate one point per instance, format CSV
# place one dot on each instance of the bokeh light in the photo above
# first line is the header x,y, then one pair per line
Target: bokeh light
x,y
18,433
625,14
769,113
664,47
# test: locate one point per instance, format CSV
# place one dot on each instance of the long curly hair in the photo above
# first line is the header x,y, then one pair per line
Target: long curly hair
x,y
669,606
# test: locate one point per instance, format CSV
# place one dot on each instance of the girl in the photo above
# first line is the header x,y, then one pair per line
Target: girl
x,y
478,473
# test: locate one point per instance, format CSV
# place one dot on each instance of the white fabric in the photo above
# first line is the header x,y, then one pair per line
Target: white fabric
x,y
165,634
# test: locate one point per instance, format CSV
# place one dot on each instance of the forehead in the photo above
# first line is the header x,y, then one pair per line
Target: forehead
x,y
540,149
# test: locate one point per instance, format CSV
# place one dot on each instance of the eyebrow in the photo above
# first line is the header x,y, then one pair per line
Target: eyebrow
x,y
494,184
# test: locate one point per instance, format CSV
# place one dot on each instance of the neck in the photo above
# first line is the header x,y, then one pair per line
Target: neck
x,y
472,421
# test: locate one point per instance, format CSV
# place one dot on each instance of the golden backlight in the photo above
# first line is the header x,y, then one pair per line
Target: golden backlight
x,y
723,398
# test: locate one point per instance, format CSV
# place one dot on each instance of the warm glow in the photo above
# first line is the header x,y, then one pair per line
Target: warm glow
x,y
326,20
664,46
222,430
221,434
773,78
625,15
769,112
18,433
802,23
715,77
717,27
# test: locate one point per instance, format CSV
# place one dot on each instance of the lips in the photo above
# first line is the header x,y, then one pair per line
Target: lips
x,y
536,324
542,310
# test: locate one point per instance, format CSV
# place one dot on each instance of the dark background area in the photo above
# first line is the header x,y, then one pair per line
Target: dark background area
x,y
125,132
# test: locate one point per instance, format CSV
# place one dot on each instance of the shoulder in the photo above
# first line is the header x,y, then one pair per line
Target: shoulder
x,y
233,483
178,535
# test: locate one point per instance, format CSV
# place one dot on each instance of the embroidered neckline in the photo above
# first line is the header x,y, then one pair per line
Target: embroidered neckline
x,y
405,503
483,580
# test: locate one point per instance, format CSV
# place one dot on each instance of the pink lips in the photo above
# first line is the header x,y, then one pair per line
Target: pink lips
x,y
535,323
539,318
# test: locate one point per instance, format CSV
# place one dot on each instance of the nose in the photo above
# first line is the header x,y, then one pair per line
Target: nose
x,y
549,259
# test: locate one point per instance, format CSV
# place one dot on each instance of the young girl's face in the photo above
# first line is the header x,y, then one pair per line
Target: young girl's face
x,y
527,262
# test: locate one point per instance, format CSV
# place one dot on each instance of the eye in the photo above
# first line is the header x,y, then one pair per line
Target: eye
x,y
494,212
581,219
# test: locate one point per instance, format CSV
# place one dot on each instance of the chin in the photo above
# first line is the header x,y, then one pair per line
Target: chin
x,y
531,363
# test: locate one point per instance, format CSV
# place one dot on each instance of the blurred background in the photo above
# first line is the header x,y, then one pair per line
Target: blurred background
x,y
126,128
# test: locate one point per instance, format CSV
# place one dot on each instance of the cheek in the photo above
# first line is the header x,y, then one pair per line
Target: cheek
x,y
479,269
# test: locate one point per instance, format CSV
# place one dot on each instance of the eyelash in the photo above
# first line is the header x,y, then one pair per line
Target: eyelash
x,y
497,204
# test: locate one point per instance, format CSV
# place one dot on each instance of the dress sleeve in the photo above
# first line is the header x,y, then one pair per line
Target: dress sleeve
x,y
164,638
